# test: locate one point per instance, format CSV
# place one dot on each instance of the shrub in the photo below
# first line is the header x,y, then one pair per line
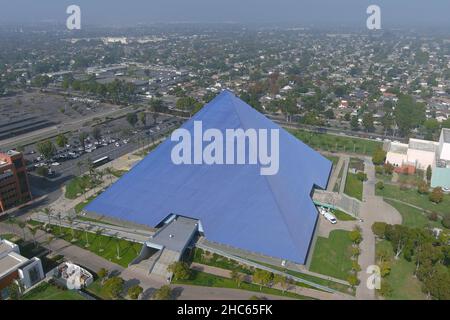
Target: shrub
x,y
437,195
379,229
102,273
446,221
353,280
355,236
379,170
379,185
388,168
361,176
422,188
114,287
433,216
135,291
378,156
385,289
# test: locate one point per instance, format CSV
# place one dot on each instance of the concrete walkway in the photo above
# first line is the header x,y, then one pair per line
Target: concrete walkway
x,y
316,294
373,209
334,176
58,246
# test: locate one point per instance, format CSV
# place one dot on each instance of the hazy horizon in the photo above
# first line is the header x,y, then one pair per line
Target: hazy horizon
x,y
395,13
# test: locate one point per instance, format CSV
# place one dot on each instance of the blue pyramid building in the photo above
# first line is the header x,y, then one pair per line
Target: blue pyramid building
x,y
237,206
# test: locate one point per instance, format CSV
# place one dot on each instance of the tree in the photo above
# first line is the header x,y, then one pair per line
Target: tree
x,y
355,236
408,114
135,291
385,289
97,133
114,287
429,173
262,278
132,119
361,176
422,187
82,138
354,123
33,232
180,270
283,281
163,293
61,140
398,235
446,220
102,273
378,156
47,149
237,277
143,118
22,225
388,168
48,212
379,229
379,185
353,280
15,290
367,122
437,195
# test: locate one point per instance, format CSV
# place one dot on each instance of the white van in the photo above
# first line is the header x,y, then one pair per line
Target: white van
x,y
330,217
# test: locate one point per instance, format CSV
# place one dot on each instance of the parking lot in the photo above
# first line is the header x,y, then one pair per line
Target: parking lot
x,y
117,138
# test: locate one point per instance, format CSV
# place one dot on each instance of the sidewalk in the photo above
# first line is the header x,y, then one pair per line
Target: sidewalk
x,y
69,251
316,294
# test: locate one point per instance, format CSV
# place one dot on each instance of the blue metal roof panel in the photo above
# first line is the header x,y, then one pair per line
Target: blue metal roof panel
x,y
273,215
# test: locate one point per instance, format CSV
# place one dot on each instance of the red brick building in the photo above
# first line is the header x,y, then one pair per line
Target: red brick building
x,y
14,185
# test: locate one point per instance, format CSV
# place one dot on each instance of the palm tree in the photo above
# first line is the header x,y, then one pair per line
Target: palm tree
x,y
88,227
118,246
71,220
59,217
48,212
22,226
98,234
33,232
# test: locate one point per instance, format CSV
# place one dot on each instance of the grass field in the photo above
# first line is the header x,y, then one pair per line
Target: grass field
x,y
77,185
412,217
106,247
332,255
207,280
334,159
413,197
401,278
353,186
46,291
342,216
333,143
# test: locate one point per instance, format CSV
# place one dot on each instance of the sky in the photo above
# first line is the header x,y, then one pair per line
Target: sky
x,y
394,13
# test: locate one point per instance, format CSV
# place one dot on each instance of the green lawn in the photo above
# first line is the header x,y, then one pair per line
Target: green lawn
x,y
353,186
332,255
335,143
104,246
207,280
334,159
80,206
412,217
342,216
96,288
401,278
413,197
77,185
46,291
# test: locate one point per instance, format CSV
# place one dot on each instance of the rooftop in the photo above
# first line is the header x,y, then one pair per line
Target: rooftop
x,y
176,234
423,145
446,135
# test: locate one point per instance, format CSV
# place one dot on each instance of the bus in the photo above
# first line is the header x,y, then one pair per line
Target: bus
x,y
101,161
